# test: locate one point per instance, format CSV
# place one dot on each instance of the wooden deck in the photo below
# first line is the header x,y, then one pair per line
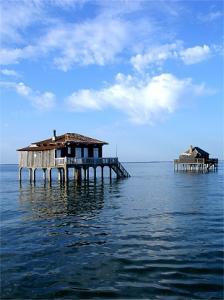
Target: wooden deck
x,y
81,167
196,164
91,162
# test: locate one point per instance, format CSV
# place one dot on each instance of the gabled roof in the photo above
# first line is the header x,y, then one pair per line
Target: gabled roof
x,y
194,151
61,141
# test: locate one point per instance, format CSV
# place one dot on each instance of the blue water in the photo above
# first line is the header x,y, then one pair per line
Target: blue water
x,y
156,235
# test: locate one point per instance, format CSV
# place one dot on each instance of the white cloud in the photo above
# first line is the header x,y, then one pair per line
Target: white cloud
x,y
211,16
16,16
8,72
156,56
42,101
93,42
144,101
195,54
97,41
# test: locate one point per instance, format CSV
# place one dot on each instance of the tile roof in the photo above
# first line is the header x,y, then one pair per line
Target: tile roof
x,y
61,141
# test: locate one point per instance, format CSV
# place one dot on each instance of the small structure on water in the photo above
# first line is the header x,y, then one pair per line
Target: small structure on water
x,y
70,150
195,159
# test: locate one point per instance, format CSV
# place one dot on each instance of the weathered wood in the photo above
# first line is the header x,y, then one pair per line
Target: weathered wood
x,y
20,174
37,159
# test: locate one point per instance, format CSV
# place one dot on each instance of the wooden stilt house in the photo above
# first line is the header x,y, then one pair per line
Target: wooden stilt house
x,y
70,150
195,159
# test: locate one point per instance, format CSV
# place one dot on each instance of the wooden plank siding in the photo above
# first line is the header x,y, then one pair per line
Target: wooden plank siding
x,y
37,159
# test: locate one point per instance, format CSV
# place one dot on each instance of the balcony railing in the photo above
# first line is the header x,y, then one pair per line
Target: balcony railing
x,y
196,161
85,161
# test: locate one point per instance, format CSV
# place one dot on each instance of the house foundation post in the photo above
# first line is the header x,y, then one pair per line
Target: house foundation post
x,y
66,177
49,174
20,174
75,173
88,174
110,173
94,170
34,174
30,174
84,169
102,172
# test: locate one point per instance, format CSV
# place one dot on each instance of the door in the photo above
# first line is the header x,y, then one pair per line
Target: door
x,y
95,152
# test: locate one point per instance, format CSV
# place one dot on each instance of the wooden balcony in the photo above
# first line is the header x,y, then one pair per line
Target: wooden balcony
x,y
196,161
73,161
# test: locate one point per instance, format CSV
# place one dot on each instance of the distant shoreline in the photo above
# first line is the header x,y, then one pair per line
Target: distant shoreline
x,y
126,162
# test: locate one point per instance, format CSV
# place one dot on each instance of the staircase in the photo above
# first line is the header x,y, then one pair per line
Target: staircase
x,y
120,170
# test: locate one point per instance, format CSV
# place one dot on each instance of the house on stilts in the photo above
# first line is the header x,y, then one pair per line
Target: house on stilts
x,y
68,151
195,159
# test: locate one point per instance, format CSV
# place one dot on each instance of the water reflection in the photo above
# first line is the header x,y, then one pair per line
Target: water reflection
x,y
46,200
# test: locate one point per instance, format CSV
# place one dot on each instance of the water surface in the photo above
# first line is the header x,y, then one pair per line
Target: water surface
x,y
156,235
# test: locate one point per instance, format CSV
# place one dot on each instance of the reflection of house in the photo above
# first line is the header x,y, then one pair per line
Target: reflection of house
x,y
195,159
69,150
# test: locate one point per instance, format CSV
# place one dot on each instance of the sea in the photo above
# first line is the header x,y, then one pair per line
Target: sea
x,y
155,235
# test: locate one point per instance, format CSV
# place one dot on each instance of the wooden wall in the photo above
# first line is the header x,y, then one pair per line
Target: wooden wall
x,y
37,159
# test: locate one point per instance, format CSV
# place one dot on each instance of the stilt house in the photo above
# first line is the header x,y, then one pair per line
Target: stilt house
x,y
70,150
195,159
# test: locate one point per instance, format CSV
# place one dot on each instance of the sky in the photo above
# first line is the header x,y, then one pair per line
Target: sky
x,y
145,76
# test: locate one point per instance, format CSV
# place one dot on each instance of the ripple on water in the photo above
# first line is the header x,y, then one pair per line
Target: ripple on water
x,y
157,235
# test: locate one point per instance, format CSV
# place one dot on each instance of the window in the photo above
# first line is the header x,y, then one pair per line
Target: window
x,y
78,152
69,150
95,152
85,153
58,153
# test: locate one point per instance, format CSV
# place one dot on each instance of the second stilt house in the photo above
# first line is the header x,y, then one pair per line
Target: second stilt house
x,y
195,159
70,150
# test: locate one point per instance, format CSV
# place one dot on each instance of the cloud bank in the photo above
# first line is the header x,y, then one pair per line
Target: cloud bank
x,y
144,101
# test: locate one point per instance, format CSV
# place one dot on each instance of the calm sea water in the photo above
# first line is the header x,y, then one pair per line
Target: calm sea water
x,y
158,234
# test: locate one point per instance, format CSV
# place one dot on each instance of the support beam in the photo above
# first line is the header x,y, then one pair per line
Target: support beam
x,y
75,173
30,174
88,174
94,169
102,172
110,173
49,174
34,174
66,174
20,174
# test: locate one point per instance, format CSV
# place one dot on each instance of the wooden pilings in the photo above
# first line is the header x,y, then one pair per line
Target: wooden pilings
x,y
79,173
195,167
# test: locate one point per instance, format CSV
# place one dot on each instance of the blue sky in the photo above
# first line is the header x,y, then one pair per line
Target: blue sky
x,y
145,76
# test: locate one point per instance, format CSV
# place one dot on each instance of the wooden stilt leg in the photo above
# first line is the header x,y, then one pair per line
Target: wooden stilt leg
x,y
30,173
66,174
49,174
34,174
110,173
94,173
102,172
20,174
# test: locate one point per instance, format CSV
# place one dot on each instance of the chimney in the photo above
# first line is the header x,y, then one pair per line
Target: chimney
x,y
54,135
191,149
